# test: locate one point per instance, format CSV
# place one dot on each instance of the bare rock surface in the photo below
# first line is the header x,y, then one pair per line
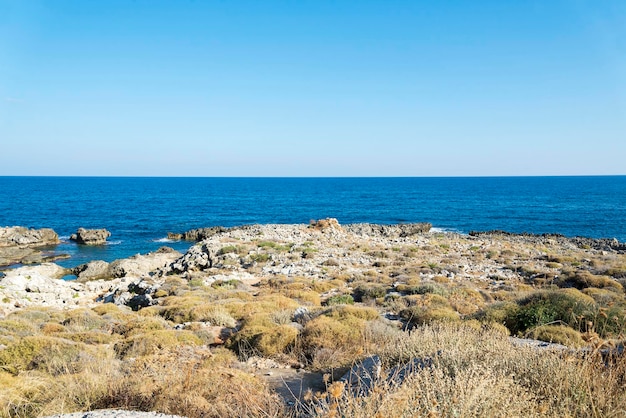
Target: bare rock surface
x,y
130,282
19,236
142,265
23,245
90,236
93,270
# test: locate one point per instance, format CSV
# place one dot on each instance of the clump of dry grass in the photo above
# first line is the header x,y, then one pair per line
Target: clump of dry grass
x,y
477,372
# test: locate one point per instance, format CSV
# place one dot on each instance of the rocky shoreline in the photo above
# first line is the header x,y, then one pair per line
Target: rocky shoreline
x,y
284,307
311,251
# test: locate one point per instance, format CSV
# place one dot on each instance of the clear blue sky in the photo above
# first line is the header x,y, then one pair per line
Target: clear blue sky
x,y
312,88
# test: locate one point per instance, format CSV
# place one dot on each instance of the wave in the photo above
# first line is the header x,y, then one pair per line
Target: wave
x,y
165,240
438,230
114,242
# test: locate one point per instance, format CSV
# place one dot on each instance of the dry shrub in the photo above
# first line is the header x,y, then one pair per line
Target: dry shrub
x,y
364,291
139,324
557,334
260,335
418,315
84,320
355,311
184,381
215,315
477,373
17,327
36,315
148,343
331,342
307,297
604,296
48,354
52,328
583,279
191,384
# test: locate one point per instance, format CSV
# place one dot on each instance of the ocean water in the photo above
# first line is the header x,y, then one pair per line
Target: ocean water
x,y
140,212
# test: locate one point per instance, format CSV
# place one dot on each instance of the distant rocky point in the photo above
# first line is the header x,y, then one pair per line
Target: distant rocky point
x,y
601,244
363,229
90,236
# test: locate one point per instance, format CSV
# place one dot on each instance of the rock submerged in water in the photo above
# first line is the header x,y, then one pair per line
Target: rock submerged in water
x,y
90,236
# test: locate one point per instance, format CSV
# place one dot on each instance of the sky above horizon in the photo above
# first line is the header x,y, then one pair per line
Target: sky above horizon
x,y
312,88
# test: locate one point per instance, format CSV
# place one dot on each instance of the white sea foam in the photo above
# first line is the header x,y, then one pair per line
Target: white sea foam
x,y
164,240
64,237
435,230
114,242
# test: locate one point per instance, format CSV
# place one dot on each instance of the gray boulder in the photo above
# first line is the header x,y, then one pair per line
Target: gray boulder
x,y
197,258
90,236
94,270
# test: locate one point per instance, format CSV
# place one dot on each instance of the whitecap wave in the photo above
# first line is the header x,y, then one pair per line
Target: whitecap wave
x,y
64,237
436,230
114,242
164,240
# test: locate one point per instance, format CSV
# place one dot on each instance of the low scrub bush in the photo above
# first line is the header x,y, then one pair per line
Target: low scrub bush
x,y
567,306
152,342
48,354
369,291
584,279
260,335
333,342
339,300
557,334
417,315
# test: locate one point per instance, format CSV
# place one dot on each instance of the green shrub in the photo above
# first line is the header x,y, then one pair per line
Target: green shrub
x,y
504,313
228,250
568,306
339,300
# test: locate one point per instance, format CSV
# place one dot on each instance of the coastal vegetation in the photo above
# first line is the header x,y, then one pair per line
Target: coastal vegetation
x,y
250,305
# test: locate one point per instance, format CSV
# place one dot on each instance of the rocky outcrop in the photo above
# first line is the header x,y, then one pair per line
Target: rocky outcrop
x,y
197,258
199,234
19,245
94,270
38,285
17,236
143,265
601,244
388,231
90,236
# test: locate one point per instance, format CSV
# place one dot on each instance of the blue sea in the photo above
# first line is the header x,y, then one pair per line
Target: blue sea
x,y
140,212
